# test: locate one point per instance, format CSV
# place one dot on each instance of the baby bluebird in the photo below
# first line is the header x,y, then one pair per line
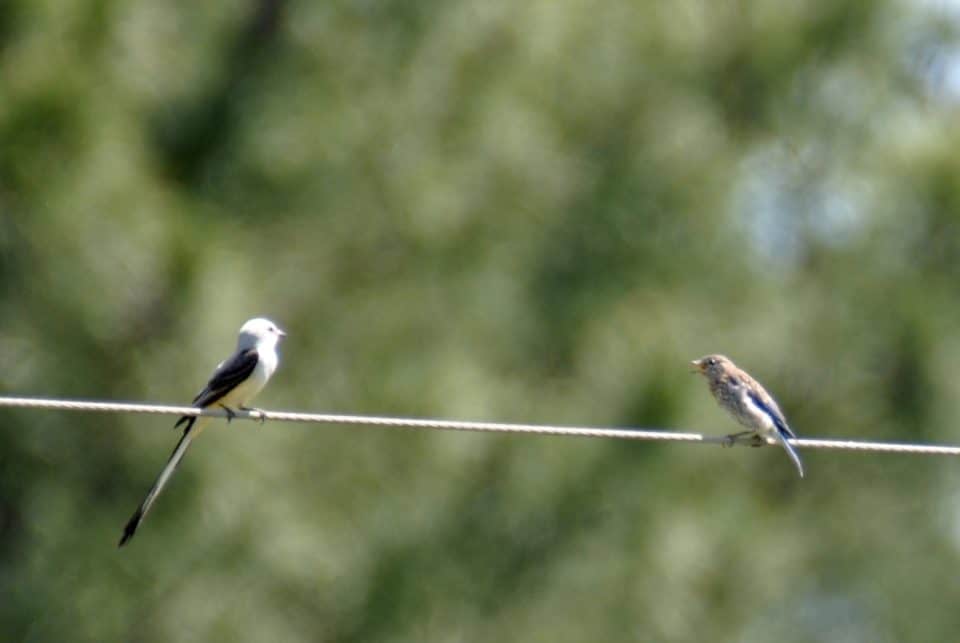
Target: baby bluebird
x,y
748,402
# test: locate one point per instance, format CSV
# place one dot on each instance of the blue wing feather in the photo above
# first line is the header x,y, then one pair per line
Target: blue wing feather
x,y
783,431
778,420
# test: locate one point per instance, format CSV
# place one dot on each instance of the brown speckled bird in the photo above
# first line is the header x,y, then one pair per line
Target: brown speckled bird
x,y
748,402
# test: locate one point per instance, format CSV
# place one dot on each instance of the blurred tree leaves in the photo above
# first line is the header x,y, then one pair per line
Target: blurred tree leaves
x,y
507,211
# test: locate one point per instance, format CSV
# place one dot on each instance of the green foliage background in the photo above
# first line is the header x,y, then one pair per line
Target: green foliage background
x,y
529,211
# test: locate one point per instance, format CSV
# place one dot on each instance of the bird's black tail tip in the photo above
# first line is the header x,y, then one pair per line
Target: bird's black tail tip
x,y
130,529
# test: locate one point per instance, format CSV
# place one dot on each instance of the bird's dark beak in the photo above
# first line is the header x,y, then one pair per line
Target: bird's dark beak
x,y
696,366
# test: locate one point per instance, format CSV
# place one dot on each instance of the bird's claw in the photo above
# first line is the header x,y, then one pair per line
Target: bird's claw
x,y
251,409
748,437
230,413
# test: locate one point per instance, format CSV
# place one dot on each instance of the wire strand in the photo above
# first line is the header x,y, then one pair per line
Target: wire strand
x,y
458,425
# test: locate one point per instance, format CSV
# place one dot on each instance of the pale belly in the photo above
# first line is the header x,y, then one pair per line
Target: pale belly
x,y
243,394
768,431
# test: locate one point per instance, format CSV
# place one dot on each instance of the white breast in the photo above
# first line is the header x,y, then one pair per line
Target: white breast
x,y
243,394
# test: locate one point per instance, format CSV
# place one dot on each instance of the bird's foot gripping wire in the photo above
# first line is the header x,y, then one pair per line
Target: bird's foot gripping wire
x,y
752,439
230,413
253,409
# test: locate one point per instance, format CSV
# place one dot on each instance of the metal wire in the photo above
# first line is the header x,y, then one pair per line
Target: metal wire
x,y
458,425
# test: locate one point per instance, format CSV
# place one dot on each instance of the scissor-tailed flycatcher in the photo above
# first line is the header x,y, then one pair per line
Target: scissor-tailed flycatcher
x,y
233,384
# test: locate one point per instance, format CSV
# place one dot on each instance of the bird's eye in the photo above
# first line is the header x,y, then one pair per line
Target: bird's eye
x,y
711,362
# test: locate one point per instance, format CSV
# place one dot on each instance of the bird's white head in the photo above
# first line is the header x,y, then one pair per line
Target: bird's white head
x,y
259,332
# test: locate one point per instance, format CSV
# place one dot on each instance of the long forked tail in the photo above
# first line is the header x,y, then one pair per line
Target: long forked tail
x,y
178,452
783,437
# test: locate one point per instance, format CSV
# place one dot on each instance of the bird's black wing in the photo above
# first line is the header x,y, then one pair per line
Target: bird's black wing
x,y
227,377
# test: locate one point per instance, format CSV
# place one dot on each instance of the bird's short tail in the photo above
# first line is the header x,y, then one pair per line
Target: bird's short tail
x,y
783,436
178,452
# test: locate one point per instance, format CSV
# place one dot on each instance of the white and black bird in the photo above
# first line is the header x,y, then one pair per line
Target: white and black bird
x,y
234,383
